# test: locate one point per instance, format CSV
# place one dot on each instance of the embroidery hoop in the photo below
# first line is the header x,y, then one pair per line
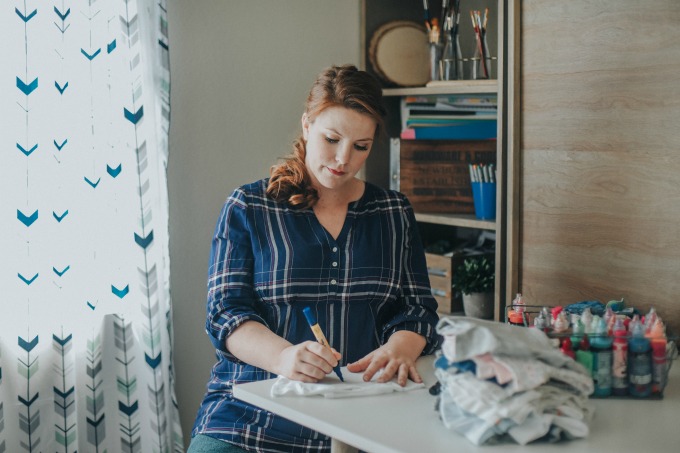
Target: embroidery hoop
x,y
399,54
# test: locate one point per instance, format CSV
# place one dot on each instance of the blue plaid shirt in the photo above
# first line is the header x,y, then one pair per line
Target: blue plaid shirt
x,y
269,261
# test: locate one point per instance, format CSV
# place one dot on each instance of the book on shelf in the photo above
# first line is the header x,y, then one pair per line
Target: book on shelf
x,y
452,102
461,130
451,114
449,117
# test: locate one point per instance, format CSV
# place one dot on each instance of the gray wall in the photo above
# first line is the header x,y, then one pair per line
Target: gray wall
x,y
240,72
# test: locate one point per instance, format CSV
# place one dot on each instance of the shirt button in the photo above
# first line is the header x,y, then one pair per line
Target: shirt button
x,y
335,264
335,249
333,282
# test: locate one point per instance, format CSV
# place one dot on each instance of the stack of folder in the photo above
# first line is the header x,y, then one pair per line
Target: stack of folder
x,y
449,117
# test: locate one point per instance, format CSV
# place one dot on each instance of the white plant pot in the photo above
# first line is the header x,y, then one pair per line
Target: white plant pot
x,y
478,305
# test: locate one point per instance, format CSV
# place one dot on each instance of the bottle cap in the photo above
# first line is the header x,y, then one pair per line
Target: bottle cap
x,y
518,303
619,328
638,330
608,314
657,330
587,318
561,322
638,343
556,311
540,322
578,328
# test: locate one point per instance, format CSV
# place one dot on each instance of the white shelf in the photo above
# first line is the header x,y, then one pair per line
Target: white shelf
x,y
458,220
448,87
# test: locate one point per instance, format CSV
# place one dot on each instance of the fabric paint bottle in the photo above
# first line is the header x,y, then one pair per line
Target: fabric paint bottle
x,y
601,346
620,359
516,315
639,363
658,342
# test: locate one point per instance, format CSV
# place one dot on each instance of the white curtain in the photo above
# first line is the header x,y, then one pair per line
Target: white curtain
x,y
85,314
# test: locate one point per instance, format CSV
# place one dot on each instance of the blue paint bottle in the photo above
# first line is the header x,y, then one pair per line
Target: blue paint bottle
x,y
639,363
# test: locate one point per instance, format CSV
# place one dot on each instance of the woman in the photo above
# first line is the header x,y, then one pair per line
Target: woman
x,y
313,235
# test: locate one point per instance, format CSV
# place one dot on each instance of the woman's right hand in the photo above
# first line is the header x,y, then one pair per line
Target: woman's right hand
x,y
306,362
253,343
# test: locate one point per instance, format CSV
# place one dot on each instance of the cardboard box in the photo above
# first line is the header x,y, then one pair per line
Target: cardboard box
x,y
440,270
435,174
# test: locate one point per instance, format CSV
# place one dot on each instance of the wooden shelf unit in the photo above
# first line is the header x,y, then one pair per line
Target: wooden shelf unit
x,y
377,12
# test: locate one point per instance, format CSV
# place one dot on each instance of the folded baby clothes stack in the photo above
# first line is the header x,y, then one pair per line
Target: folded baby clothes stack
x,y
500,381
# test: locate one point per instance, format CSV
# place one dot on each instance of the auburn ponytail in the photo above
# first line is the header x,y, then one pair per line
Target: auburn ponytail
x,y
289,181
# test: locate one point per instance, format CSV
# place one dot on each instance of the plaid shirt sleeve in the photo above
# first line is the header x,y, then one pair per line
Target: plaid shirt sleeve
x,y
418,308
231,299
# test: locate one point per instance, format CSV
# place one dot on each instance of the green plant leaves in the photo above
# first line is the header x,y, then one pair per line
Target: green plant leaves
x,y
475,275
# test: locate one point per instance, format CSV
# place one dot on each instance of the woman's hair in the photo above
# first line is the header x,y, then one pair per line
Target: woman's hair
x,y
343,86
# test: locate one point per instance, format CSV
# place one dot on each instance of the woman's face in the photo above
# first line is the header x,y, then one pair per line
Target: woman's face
x,y
338,142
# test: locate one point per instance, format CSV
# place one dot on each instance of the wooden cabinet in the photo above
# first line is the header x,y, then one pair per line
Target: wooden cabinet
x,y
381,171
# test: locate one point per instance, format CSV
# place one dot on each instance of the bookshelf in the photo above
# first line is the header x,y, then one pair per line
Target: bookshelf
x,y
380,167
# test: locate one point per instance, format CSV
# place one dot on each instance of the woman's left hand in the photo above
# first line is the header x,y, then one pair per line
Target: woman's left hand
x,y
397,358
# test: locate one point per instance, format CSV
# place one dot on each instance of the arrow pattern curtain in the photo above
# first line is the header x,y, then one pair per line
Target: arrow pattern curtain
x,y
85,314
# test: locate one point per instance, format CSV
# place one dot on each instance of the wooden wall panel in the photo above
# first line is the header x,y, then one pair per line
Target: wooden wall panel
x,y
600,153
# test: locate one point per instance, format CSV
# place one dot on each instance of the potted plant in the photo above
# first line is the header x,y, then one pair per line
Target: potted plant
x,y
474,278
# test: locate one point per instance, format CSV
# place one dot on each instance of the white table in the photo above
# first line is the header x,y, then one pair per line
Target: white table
x,y
407,422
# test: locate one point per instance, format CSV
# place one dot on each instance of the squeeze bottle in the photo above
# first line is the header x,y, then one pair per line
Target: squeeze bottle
x,y
639,363
620,359
601,346
658,342
516,315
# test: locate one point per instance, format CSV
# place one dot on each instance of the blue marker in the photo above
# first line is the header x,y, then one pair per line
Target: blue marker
x,y
318,334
